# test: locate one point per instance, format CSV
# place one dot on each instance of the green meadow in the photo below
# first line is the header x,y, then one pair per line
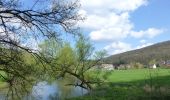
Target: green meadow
x,y
136,74
136,84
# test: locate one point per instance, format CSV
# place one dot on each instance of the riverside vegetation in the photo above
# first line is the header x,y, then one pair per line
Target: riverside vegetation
x,y
135,84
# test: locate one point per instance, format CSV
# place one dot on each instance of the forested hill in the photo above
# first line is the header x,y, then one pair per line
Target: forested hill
x,y
158,52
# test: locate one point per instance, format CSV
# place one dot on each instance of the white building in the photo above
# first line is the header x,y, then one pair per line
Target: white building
x,y
154,66
107,67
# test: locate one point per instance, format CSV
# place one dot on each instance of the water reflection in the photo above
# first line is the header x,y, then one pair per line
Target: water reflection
x,y
43,91
57,90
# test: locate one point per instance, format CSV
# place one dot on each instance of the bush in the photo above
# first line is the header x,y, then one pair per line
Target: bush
x,y
137,65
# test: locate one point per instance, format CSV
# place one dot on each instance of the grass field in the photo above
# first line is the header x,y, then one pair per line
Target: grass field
x,y
137,75
137,84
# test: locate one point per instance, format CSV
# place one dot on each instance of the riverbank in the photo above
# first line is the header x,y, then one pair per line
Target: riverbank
x,y
137,84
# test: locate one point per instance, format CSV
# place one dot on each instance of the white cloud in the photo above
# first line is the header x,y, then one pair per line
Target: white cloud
x,y
97,6
128,5
110,19
142,41
110,28
143,45
118,47
149,33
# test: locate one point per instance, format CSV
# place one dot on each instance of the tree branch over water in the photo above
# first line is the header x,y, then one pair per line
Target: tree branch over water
x,y
18,24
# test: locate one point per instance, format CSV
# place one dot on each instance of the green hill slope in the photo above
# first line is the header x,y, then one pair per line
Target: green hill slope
x,y
158,52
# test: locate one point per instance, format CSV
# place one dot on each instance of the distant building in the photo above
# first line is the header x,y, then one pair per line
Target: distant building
x,y
104,67
154,66
162,62
167,63
107,66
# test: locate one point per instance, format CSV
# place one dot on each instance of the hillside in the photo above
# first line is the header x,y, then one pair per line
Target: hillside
x,y
158,52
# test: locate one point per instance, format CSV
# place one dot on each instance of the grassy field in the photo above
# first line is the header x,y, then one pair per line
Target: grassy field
x,y
137,84
137,75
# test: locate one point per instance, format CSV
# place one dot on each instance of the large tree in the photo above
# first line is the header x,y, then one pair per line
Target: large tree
x,y
22,23
76,63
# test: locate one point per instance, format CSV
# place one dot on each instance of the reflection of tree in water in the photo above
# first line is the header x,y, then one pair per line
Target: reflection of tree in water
x,y
54,97
18,76
56,90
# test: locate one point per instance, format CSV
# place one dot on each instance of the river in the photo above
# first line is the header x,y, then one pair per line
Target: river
x,y
56,90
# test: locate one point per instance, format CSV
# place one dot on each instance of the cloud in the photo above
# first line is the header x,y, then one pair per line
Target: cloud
x,y
117,47
142,41
120,47
149,33
97,6
109,20
143,45
110,28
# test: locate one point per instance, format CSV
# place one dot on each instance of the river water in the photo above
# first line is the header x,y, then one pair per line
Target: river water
x,y
56,91
51,91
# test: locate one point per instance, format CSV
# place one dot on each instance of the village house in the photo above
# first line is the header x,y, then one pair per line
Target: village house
x,y
167,63
104,67
153,66
108,66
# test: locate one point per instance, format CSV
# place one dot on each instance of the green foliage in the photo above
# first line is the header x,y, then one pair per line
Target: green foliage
x,y
65,61
84,49
152,62
19,70
66,56
136,65
72,61
50,48
21,66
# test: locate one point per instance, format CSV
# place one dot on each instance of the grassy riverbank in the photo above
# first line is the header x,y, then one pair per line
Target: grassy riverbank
x,y
137,84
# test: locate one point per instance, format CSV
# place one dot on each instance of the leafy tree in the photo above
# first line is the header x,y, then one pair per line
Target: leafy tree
x,y
76,62
152,62
50,48
136,65
19,25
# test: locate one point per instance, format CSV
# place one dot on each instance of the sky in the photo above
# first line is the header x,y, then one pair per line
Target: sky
x,y
123,25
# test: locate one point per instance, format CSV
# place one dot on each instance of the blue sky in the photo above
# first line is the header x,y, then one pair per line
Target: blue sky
x,y
123,25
